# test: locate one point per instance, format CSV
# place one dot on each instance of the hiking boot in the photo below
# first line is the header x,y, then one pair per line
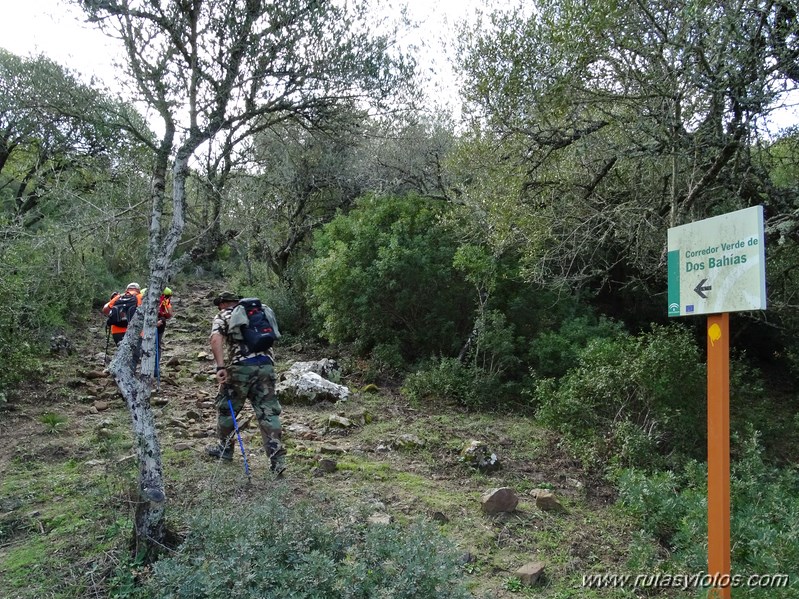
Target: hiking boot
x,y
220,451
277,456
278,466
274,449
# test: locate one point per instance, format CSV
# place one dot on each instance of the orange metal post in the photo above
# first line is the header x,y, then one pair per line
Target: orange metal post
x,y
718,451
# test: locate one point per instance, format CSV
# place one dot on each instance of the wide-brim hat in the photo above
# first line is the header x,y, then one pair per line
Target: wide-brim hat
x,y
226,296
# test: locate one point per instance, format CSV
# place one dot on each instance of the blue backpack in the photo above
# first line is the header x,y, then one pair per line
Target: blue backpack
x,y
261,332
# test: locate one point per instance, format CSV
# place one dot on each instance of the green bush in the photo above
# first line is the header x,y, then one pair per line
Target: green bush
x,y
765,502
493,349
445,380
763,528
490,378
771,412
383,274
668,506
45,289
553,353
385,359
628,394
541,328
275,551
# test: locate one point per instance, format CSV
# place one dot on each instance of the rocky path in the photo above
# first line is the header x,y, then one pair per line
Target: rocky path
x,y
184,399
75,389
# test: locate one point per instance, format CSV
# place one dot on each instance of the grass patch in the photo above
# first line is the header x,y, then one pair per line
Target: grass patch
x,y
53,423
61,517
369,468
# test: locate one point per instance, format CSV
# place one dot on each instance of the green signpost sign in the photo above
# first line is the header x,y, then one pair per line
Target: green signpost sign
x,y
718,264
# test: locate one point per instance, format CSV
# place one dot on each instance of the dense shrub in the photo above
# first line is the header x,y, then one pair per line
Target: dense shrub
x,y
45,289
547,326
491,377
763,528
629,395
519,329
271,550
446,380
383,275
554,352
493,348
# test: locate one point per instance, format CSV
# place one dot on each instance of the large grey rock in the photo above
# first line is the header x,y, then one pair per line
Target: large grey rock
x,y
326,368
309,387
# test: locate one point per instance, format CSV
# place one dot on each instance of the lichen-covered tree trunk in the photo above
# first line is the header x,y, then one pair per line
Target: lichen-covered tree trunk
x,y
136,388
150,534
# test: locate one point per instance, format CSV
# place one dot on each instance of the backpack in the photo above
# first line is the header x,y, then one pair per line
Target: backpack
x,y
260,332
123,310
163,311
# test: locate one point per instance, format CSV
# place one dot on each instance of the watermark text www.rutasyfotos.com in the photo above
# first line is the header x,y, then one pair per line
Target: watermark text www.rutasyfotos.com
x,y
662,580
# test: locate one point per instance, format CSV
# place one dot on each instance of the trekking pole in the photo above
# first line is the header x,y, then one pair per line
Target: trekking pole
x,y
238,435
157,360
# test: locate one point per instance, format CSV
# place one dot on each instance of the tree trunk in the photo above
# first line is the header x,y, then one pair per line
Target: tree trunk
x,y
212,239
150,535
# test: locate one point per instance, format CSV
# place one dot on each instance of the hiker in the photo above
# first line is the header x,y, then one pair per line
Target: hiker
x,y
165,312
243,375
131,300
120,310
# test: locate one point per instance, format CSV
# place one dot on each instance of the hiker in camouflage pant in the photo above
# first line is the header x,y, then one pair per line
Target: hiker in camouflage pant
x,y
247,375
